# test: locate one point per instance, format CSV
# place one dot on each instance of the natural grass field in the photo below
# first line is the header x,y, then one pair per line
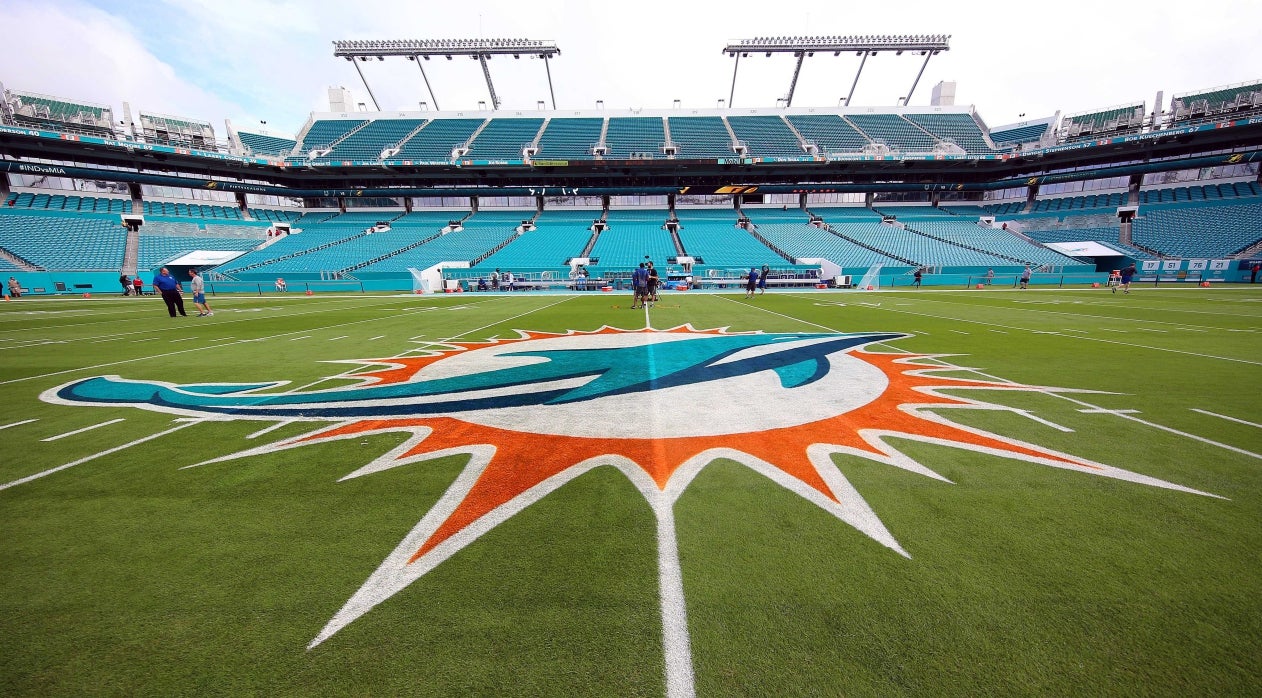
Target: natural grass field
x,y
124,574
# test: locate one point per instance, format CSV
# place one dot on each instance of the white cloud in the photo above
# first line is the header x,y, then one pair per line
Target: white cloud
x,y
76,51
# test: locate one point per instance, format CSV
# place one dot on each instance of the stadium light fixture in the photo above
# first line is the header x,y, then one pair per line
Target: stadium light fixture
x,y
865,45
481,50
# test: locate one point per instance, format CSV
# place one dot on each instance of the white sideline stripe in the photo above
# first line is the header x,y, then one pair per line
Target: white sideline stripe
x,y
182,339
1101,410
1212,414
959,332
18,424
80,431
1074,336
85,459
185,351
272,428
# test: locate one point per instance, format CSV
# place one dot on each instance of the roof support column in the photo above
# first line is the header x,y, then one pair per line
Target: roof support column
x,y
857,74
366,87
427,87
550,92
788,101
907,99
486,70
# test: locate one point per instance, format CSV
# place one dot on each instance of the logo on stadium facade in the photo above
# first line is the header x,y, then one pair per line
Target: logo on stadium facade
x,y
536,411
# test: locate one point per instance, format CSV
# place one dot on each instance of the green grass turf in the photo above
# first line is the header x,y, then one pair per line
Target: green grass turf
x,y
125,575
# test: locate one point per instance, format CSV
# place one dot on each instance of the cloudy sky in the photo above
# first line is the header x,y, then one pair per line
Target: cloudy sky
x,y
272,61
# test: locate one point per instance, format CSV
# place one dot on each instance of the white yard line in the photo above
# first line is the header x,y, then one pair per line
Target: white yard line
x,y
18,424
80,431
1075,336
1220,416
94,456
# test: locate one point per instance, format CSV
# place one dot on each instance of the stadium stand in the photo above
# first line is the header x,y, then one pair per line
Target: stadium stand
x,y
68,242
183,210
479,233
86,204
766,136
1206,229
369,142
960,129
324,134
262,144
558,236
700,137
1031,133
895,132
177,131
829,132
1221,101
1120,119
633,137
570,138
632,235
504,139
38,111
713,236
439,139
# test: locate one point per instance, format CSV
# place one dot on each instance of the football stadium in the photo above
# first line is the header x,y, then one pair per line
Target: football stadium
x,y
392,404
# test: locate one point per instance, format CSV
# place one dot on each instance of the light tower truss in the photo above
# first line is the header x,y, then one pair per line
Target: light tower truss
x,y
926,45
420,50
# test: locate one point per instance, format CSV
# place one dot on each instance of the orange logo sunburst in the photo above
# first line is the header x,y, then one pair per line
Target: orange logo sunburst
x,y
536,411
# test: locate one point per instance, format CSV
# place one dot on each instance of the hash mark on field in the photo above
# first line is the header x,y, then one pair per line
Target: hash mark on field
x,y
419,336
305,336
373,339
94,456
959,332
80,431
1110,329
1212,414
18,424
999,331
1068,330
334,339
108,339
1149,329
1101,410
274,427
185,339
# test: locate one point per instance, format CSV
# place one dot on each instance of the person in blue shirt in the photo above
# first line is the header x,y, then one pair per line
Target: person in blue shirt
x,y
166,284
639,281
751,282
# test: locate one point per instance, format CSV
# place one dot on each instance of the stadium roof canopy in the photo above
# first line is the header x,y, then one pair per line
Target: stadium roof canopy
x,y
480,49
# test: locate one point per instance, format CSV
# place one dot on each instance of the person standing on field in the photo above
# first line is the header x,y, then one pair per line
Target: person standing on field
x,y
199,294
166,284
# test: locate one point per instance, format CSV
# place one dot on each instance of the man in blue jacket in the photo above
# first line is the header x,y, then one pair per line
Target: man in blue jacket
x,y
166,284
